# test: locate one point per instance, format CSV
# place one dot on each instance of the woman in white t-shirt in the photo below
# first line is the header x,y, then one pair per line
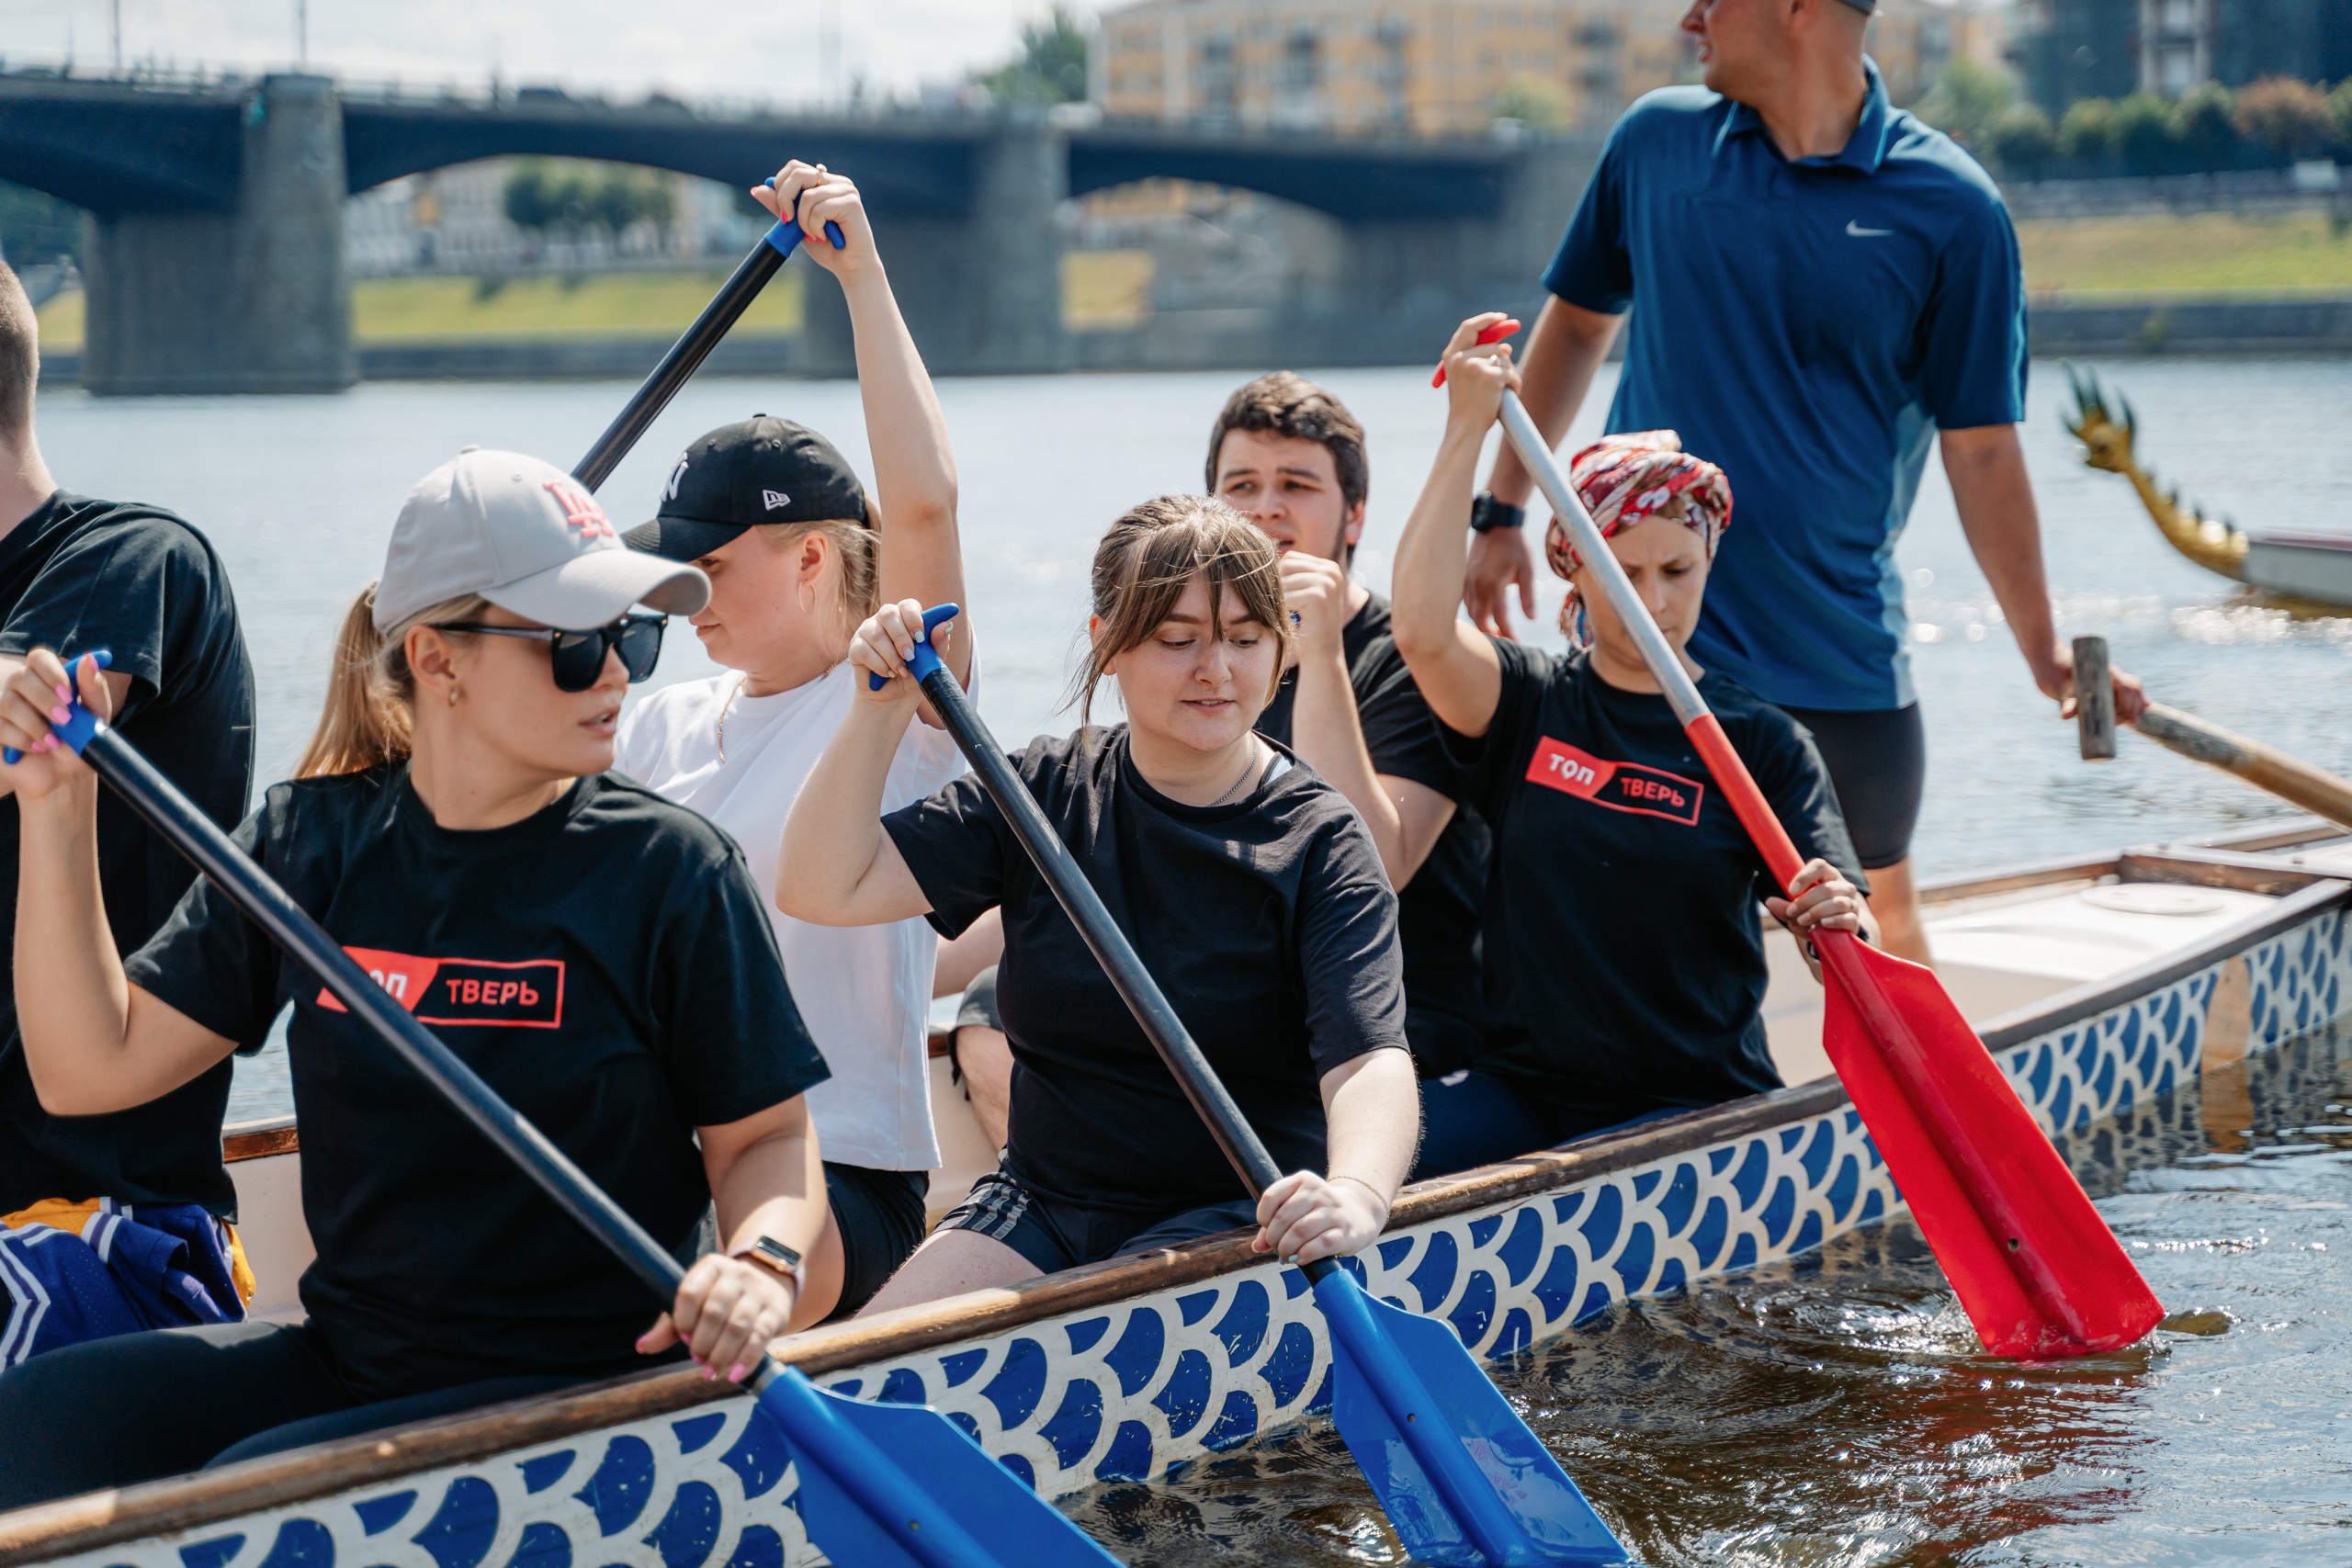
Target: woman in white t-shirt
x,y
799,556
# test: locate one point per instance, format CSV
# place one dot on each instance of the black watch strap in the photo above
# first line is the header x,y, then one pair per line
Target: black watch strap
x,y
1487,515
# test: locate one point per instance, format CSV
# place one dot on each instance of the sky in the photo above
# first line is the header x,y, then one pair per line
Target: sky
x,y
754,48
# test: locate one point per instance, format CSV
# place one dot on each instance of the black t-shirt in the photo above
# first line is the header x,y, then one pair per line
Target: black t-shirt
x,y
1624,959
1266,923
76,576
1437,911
604,964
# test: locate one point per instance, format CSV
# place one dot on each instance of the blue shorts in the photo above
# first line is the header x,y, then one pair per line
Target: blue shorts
x,y
1054,1236
1469,1119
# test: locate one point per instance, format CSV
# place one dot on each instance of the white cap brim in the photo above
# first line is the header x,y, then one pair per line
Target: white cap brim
x,y
597,587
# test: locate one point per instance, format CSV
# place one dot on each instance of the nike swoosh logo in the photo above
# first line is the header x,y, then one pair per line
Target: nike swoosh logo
x,y
1860,233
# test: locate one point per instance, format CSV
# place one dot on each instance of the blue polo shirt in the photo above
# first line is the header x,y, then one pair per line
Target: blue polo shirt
x,y
1808,326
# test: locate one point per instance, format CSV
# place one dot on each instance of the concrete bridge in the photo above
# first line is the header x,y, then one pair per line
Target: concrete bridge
x,y
215,252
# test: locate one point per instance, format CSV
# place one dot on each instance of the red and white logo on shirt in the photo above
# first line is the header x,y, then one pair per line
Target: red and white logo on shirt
x,y
1621,786
473,991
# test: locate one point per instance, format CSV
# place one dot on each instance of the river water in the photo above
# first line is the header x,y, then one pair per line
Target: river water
x,y
1828,1412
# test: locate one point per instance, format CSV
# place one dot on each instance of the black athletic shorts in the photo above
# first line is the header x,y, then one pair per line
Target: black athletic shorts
x,y
879,1215
1055,1236
978,1011
1878,761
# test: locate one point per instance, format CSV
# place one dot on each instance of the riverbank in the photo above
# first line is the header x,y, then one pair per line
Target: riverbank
x,y
2112,325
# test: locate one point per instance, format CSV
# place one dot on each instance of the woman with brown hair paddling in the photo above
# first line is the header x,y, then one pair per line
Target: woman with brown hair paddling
x,y
1624,964
1246,881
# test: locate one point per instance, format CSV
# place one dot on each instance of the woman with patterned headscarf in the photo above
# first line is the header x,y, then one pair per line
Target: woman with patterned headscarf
x,y
1624,962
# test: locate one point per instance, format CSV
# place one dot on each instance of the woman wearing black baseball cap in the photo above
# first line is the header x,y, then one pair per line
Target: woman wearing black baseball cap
x,y
799,556
598,955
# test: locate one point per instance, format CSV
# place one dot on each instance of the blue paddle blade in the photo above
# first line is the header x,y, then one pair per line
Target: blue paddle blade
x,y
899,1486
1465,1481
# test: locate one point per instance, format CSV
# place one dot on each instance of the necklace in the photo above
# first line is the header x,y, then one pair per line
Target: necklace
x,y
729,702
1249,771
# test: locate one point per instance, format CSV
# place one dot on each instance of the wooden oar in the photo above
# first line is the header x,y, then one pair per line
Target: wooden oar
x,y
2038,1271
734,296
894,1484
1464,1479
2290,778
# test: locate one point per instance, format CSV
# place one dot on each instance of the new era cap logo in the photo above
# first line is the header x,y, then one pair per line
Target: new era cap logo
x,y
773,499
580,510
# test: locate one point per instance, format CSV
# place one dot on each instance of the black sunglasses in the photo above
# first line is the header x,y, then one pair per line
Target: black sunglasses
x,y
578,658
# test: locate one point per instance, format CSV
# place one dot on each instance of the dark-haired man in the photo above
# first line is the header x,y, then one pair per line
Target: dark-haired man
x,y
1288,454
116,1222
1825,286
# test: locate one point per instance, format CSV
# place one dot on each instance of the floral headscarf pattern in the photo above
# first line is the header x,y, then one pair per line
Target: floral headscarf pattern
x,y
1624,478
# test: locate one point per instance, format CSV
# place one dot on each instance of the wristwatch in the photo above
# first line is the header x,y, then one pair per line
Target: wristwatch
x,y
1487,515
776,1258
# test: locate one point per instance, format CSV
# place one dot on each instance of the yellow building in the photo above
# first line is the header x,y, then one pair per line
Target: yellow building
x,y
1423,67
1913,41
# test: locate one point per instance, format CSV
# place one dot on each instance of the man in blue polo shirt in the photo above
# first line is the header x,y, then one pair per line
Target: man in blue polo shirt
x,y
1825,286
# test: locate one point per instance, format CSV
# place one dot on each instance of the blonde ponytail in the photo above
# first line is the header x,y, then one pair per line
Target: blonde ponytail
x,y
370,690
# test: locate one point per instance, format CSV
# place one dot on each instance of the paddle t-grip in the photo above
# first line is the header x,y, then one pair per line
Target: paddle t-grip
x,y
1495,332
2094,699
786,234
924,659
78,728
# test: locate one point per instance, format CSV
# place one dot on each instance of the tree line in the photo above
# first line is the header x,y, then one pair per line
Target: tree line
x,y
2267,124
571,200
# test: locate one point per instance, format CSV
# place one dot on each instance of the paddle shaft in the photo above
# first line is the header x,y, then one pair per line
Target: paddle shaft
x,y
686,354
1839,950
822,1437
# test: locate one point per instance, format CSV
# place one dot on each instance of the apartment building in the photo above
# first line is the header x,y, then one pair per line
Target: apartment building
x,y
1417,67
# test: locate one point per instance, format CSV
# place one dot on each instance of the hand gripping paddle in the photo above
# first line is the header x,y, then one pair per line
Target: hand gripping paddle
x,y
1463,1480
734,298
2038,1271
896,1485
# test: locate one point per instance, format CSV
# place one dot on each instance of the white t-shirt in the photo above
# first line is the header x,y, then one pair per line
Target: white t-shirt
x,y
864,991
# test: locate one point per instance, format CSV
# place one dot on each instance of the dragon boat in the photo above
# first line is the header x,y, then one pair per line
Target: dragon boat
x,y
2103,986
2304,574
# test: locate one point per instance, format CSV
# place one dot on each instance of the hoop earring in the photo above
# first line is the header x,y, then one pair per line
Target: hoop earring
x,y
808,598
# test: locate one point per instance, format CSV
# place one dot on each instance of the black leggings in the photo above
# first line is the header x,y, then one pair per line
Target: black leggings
x,y
142,1407
1878,763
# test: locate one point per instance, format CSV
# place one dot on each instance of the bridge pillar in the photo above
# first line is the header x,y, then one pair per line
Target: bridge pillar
x,y
251,301
981,293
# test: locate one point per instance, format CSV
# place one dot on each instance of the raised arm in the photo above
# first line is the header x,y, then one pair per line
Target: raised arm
x,y
914,468
1454,664
94,1043
837,867
1404,815
1563,353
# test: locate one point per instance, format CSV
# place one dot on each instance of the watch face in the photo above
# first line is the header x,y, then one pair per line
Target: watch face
x,y
772,1247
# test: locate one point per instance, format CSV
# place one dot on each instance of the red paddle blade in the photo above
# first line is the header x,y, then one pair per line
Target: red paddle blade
x,y
2038,1271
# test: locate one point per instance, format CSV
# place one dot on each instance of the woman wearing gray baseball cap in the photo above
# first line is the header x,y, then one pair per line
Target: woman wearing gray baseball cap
x,y
600,956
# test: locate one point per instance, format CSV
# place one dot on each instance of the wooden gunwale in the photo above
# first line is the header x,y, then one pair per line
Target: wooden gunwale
x,y
104,1518
2278,833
